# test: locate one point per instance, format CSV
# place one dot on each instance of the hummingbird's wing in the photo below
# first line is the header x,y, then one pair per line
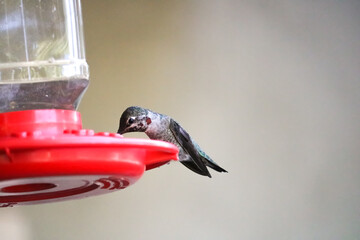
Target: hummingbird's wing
x,y
183,138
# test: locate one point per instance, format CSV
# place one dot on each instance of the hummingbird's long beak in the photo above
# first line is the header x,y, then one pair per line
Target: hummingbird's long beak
x,y
121,130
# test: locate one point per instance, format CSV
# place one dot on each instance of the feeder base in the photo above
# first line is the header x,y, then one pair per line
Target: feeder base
x,y
46,156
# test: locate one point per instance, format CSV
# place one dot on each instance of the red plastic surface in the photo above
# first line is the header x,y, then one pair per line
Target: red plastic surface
x,y
46,156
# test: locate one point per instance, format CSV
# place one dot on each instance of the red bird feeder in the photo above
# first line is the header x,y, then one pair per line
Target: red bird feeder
x,y
45,155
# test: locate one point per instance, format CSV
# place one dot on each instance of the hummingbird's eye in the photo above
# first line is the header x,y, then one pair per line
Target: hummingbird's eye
x,y
131,121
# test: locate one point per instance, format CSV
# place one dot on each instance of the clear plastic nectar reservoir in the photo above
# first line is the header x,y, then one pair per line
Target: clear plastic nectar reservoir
x,y
42,56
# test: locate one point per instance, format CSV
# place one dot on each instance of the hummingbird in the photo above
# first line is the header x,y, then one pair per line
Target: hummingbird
x,y
162,127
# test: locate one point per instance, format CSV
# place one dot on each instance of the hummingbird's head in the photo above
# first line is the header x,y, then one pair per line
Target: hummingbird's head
x,y
134,119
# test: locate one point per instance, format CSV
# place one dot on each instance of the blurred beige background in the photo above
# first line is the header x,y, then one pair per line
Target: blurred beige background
x,y
270,89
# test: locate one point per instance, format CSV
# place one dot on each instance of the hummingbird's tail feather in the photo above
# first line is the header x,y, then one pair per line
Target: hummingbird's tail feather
x,y
193,167
214,166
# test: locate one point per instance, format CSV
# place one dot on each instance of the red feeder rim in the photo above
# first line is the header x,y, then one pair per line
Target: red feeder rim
x,y
46,156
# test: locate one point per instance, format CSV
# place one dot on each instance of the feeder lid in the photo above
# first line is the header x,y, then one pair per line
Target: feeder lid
x,y
46,156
